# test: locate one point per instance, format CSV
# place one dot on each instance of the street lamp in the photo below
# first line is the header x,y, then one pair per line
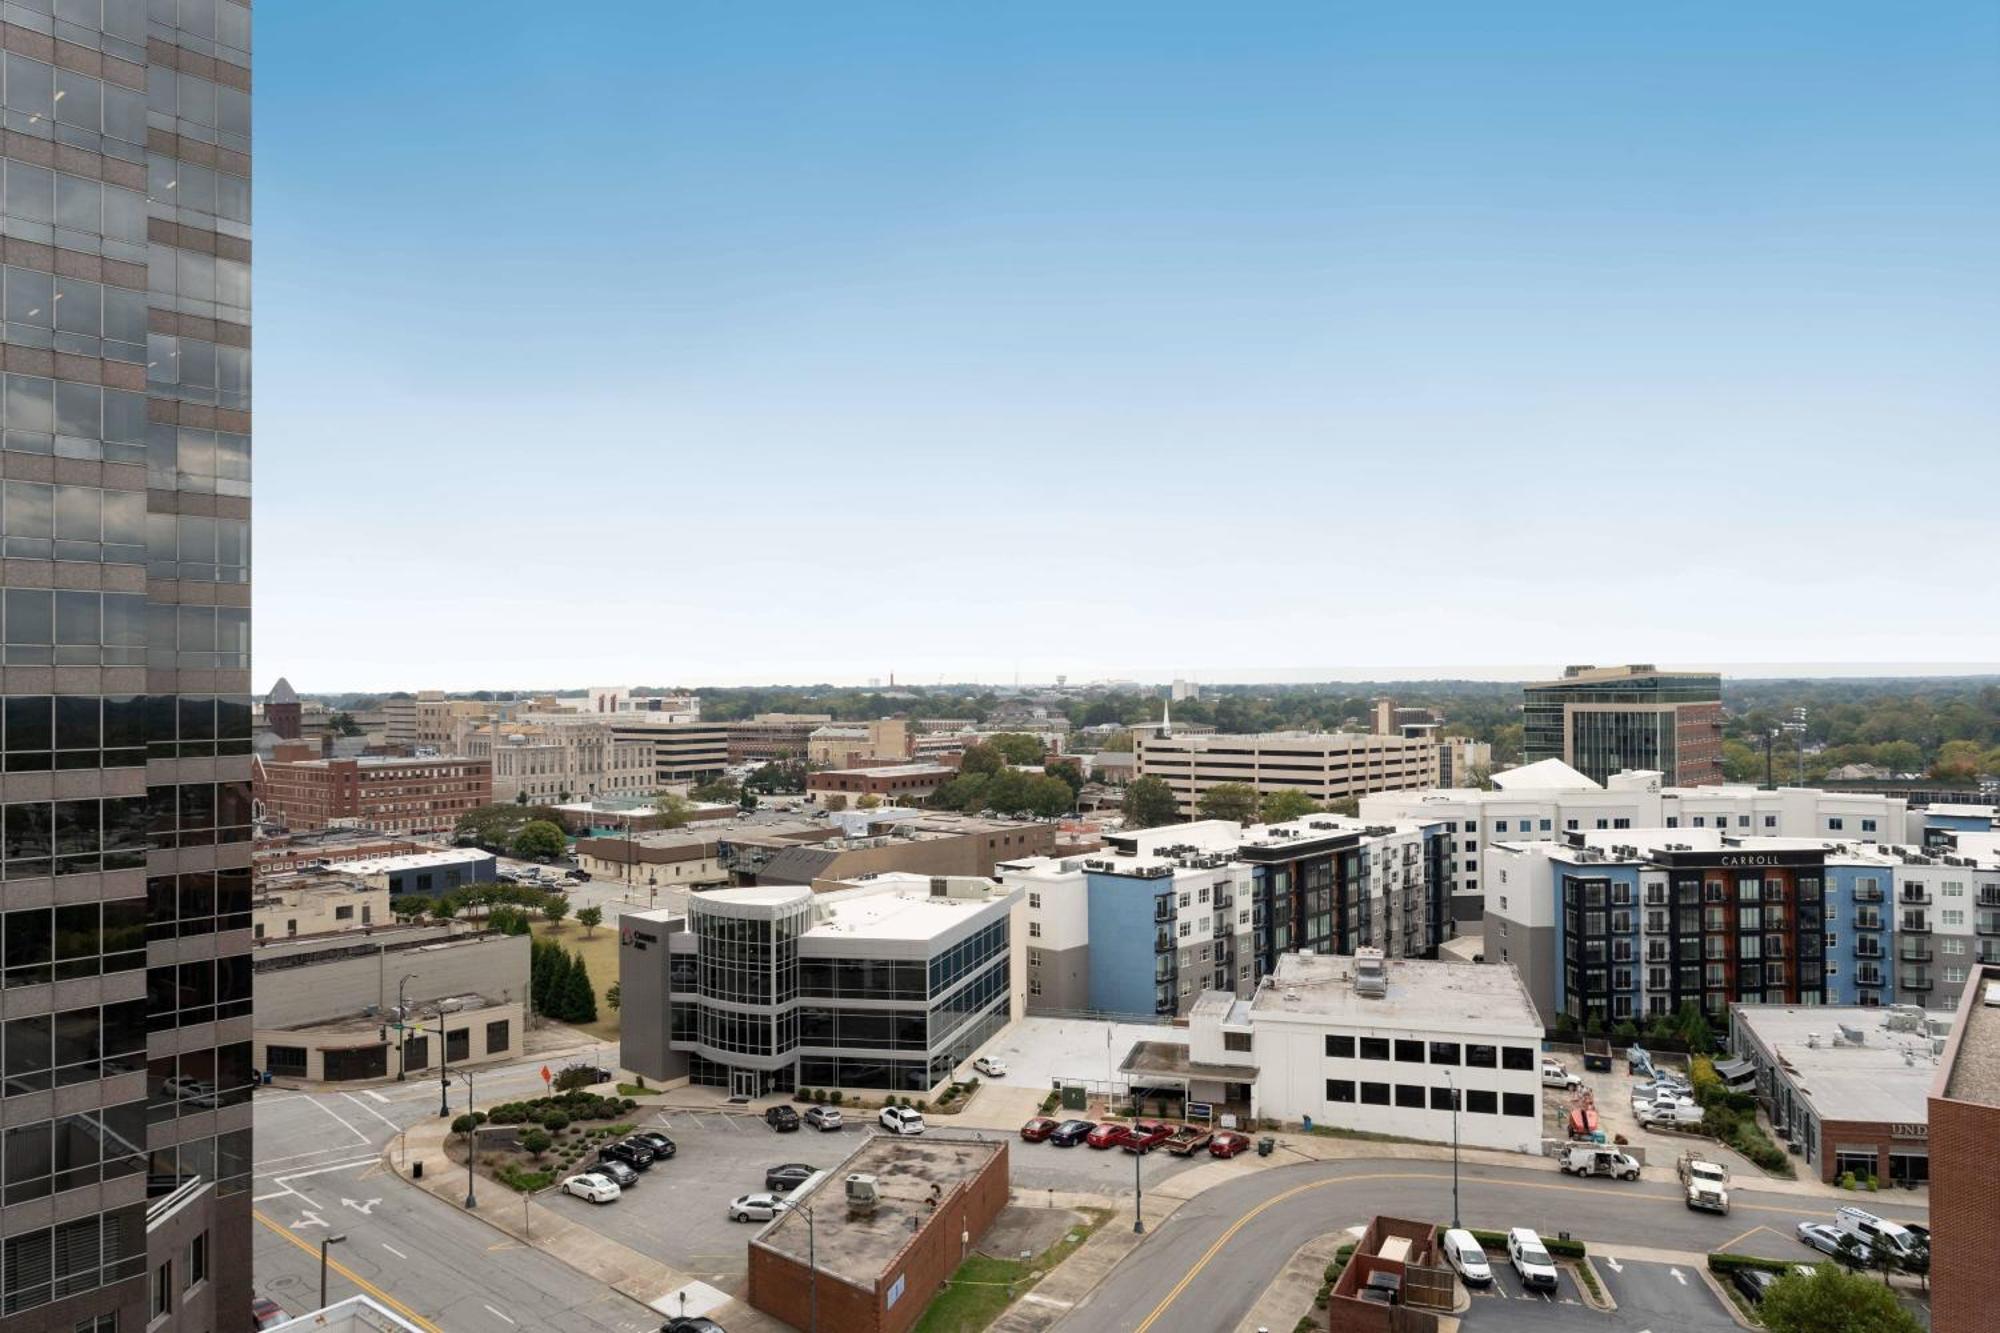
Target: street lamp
x,y
444,1067
402,1036
1138,1204
330,1240
471,1141
1452,1083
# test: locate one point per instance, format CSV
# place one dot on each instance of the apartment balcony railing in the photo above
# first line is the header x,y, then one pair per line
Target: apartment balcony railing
x,y
1868,948
1989,952
1913,952
1867,978
1913,981
1986,923
1914,897
1868,895
1989,895
1867,921
1163,909
1915,925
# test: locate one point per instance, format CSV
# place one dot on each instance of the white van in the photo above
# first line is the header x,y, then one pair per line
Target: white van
x,y
1864,1226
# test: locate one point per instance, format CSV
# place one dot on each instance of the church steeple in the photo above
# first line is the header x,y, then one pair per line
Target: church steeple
x,y
1166,718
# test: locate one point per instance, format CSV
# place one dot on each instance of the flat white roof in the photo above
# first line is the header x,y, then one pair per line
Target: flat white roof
x,y
1544,775
902,909
383,865
1886,1078
1479,997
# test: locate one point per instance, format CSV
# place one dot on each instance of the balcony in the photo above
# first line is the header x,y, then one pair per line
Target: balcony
x,y
1163,941
1163,909
1914,897
1988,952
1989,895
1868,978
1915,925
1867,921
1868,948
1914,952
1986,923
1913,981
1868,895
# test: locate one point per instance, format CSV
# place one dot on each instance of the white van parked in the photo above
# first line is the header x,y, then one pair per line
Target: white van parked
x,y
1864,1226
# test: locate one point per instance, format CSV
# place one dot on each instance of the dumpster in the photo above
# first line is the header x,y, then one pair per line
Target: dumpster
x,y
1265,1146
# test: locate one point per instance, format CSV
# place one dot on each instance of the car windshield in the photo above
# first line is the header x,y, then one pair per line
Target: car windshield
x,y
1534,1254
1471,1254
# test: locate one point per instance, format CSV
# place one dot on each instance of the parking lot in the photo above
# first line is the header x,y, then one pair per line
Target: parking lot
x,y
676,1211
1649,1296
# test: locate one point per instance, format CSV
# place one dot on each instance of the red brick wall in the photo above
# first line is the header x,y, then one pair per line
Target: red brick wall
x,y
1965,1214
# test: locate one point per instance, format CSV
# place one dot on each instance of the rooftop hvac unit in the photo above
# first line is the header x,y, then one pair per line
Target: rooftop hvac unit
x,y
1850,1034
862,1195
1370,973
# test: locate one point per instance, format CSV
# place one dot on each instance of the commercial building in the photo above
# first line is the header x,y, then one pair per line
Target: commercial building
x,y
325,1004
670,858
933,843
318,849
294,905
1549,799
427,721
684,754
768,737
125,667
1225,902
390,795
549,763
1603,720
1965,1191
1326,766
847,744
1462,761
886,984
889,783
1847,1088
424,874
824,1263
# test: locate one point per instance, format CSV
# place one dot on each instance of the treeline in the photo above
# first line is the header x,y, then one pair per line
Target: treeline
x,y
1947,729
559,982
989,779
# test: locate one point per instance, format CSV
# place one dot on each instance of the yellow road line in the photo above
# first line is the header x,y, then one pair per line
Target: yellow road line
x,y
349,1274
1175,1293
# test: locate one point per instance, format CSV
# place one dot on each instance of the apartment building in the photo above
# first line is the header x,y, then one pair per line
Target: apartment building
x,y
125,665
386,794
1548,799
1603,720
1326,766
886,984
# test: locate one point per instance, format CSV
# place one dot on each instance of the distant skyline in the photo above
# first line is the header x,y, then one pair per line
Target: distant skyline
x,y
702,342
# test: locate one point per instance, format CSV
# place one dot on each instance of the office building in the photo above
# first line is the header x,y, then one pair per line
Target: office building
x,y
1602,720
769,737
557,760
427,721
125,665
386,794
890,783
882,984
1964,1126
684,754
1326,766
849,744
1463,762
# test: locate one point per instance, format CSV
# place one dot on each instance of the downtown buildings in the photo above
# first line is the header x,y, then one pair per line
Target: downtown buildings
x,y
1601,720
126,619
1325,766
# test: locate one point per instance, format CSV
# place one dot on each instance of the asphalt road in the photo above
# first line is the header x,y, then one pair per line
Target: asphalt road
x,y
1207,1264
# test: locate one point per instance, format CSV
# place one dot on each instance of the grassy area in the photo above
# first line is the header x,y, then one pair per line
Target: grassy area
x,y
600,954
982,1288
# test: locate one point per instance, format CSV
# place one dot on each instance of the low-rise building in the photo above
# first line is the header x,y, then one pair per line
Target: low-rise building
x,y
428,874
889,783
1964,1125
887,984
847,744
387,794
1325,766
317,904
1847,1088
676,858
874,1268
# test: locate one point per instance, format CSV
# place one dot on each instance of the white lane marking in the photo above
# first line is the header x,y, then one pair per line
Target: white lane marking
x,y
371,1111
343,1124
366,1207
290,1176
295,1156
1611,1262
400,1255
274,1194
496,1314
307,1219
378,1096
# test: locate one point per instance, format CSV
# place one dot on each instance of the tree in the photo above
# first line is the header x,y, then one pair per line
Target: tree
x,y
1066,771
721,791
1118,742
1286,803
445,908
834,802
521,797
536,1141
1691,1026
1480,776
981,758
1833,1301
1234,801
409,906
579,999
590,918
538,838
1018,747
1150,803
464,1125
614,995
554,908
868,802
672,809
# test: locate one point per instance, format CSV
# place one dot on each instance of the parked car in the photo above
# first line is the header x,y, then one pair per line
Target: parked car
x,y
1555,1076
578,876
1467,1257
1531,1260
1866,1228
1677,1115
662,1146
1106,1135
990,1066
1070,1133
1039,1129
592,1186
756,1207
617,1170
692,1324
901,1120
782,1118
1227,1143
1819,1236
1146,1135
1189,1140
1754,1283
634,1154
784,1179
266,1313
823,1118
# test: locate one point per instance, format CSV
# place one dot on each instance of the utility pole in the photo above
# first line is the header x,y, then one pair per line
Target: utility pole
x,y
1139,1201
402,1034
1452,1083
444,1066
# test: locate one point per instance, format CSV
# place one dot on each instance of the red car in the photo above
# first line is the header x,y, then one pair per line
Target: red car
x,y
266,1313
1227,1143
1146,1135
1038,1129
1107,1135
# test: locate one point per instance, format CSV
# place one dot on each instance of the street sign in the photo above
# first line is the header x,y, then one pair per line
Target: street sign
x,y
545,1076
1201,1110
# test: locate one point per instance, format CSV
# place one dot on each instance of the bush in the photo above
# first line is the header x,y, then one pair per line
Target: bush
x,y
802,1095
1723,1263
527,1182
834,1096
464,1125
555,1122
535,1142
923,1106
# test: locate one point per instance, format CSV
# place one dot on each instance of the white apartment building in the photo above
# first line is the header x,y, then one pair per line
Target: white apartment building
x,y
1326,766
1546,799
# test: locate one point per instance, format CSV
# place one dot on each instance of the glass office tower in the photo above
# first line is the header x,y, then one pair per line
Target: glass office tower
x,y
124,665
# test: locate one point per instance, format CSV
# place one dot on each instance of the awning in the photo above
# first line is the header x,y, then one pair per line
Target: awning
x,y
1735,1071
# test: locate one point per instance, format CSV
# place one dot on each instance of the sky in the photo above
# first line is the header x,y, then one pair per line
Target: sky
x,y
719,343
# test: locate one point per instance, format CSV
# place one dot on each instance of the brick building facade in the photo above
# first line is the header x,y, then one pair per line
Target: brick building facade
x,y
393,795
1965,1194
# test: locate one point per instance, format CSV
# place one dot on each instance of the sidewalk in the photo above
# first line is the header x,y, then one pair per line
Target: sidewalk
x,y
1077,1276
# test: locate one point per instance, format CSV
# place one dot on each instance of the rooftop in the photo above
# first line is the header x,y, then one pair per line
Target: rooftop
x,y
1974,1072
901,906
1544,775
390,865
1886,1078
1479,997
859,1250
888,771
1169,1059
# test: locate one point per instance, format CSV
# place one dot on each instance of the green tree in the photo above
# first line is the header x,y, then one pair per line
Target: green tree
x,y
1118,742
579,999
1236,801
590,918
614,994
1740,763
981,758
672,809
464,1125
536,1142
445,908
409,906
536,838
1066,771
721,791
1150,803
1017,747
554,908
1049,797
1691,1026
1284,804
1833,1301
868,802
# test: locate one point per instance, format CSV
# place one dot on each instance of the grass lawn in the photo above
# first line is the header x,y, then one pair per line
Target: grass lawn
x,y
982,1288
600,955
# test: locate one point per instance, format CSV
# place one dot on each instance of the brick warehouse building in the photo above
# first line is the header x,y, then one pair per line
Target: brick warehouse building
x,y
1965,1197
875,1274
393,795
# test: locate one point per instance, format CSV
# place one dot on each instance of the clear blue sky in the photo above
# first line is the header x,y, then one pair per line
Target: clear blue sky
x,y
702,342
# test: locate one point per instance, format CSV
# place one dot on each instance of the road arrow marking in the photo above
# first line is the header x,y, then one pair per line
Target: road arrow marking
x,y
362,1206
1611,1262
1675,1274
307,1220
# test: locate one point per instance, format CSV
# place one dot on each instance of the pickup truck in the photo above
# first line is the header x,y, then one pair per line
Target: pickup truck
x,y
1145,1135
1706,1184
1554,1075
1669,1115
1189,1140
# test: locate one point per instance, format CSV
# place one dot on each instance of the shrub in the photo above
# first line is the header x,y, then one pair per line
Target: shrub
x,y
802,1095
536,1142
464,1125
1725,1263
555,1122
922,1106
819,1096
834,1096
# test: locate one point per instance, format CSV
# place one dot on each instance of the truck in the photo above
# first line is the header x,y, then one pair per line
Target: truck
x,y
1189,1140
1597,1054
1555,1075
1706,1183
1581,1160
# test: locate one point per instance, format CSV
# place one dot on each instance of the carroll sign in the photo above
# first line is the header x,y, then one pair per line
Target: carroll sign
x,y
1770,859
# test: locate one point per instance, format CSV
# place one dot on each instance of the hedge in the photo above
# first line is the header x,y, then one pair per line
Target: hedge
x,y
1724,1264
1555,1245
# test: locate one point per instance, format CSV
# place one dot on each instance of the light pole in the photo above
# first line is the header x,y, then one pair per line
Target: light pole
x,y
812,1267
1452,1083
330,1240
402,1037
472,1141
1138,1204
444,1067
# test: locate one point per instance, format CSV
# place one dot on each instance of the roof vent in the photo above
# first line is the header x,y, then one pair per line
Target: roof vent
x,y
1370,976
1992,1000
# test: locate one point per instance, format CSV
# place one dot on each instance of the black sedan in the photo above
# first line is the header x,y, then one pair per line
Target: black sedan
x,y
782,1118
1754,1283
1070,1133
784,1179
662,1146
692,1324
617,1170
